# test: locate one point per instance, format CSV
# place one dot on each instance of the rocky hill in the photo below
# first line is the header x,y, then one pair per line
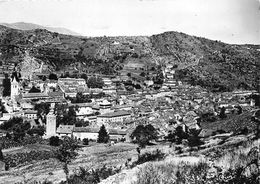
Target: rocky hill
x,y
211,64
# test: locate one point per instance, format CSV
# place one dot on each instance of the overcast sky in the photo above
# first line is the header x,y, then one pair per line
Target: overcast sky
x,y
231,21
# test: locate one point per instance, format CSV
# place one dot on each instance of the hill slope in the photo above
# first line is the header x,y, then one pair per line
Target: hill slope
x,y
211,64
30,26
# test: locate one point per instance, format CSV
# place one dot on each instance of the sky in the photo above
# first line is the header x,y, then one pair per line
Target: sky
x,y
231,21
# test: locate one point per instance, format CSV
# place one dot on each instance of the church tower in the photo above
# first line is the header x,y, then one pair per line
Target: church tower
x,y
51,123
14,87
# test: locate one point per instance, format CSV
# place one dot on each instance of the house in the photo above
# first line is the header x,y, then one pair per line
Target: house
x,y
70,86
85,133
65,130
30,114
107,81
71,81
117,135
105,107
113,117
109,89
92,133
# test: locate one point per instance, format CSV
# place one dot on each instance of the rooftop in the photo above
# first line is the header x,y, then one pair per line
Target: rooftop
x,y
115,114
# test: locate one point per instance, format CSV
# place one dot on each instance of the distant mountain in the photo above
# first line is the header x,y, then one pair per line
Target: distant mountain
x,y
211,64
30,26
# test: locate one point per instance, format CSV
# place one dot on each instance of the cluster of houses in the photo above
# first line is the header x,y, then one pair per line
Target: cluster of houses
x,y
119,110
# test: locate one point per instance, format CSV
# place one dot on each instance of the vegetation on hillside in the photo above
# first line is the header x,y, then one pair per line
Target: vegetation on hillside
x,y
211,64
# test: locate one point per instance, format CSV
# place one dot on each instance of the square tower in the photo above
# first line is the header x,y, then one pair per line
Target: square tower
x,y
51,122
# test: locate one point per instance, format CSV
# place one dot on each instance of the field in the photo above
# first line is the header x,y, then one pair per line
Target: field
x,y
89,157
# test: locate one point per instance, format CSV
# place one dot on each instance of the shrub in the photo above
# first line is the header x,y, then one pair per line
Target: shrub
x,y
150,156
85,141
92,177
54,141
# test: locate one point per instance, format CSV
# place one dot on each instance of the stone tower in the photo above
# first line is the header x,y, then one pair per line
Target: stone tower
x,y
51,123
14,87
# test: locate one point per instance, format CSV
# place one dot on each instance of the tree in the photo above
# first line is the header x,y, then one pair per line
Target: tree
x,y
84,76
222,113
7,86
81,123
42,110
85,141
171,137
144,134
193,139
20,130
67,152
53,76
37,130
8,125
66,115
180,134
142,74
54,141
103,136
95,82
1,155
239,109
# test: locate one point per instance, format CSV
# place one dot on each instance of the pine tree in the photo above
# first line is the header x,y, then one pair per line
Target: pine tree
x,y
103,136
222,114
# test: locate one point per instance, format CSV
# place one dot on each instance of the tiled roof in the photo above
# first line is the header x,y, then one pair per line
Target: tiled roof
x,y
35,95
30,112
117,132
115,114
86,129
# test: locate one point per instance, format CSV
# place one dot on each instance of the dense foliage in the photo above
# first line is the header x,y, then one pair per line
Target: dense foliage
x,y
67,152
143,134
103,136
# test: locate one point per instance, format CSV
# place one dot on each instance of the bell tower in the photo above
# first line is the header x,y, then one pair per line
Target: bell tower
x,y
14,87
51,122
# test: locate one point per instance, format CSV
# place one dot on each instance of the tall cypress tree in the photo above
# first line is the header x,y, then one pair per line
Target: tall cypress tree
x,y
1,155
7,86
103,136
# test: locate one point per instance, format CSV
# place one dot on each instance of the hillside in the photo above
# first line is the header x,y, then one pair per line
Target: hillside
x,y
211,64
30,26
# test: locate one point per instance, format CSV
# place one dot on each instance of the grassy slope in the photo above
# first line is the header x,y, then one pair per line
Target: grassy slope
x,y
89,157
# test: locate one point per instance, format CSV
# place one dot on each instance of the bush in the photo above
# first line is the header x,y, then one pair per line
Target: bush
x,y
92,177
85,141
54,141
150,156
